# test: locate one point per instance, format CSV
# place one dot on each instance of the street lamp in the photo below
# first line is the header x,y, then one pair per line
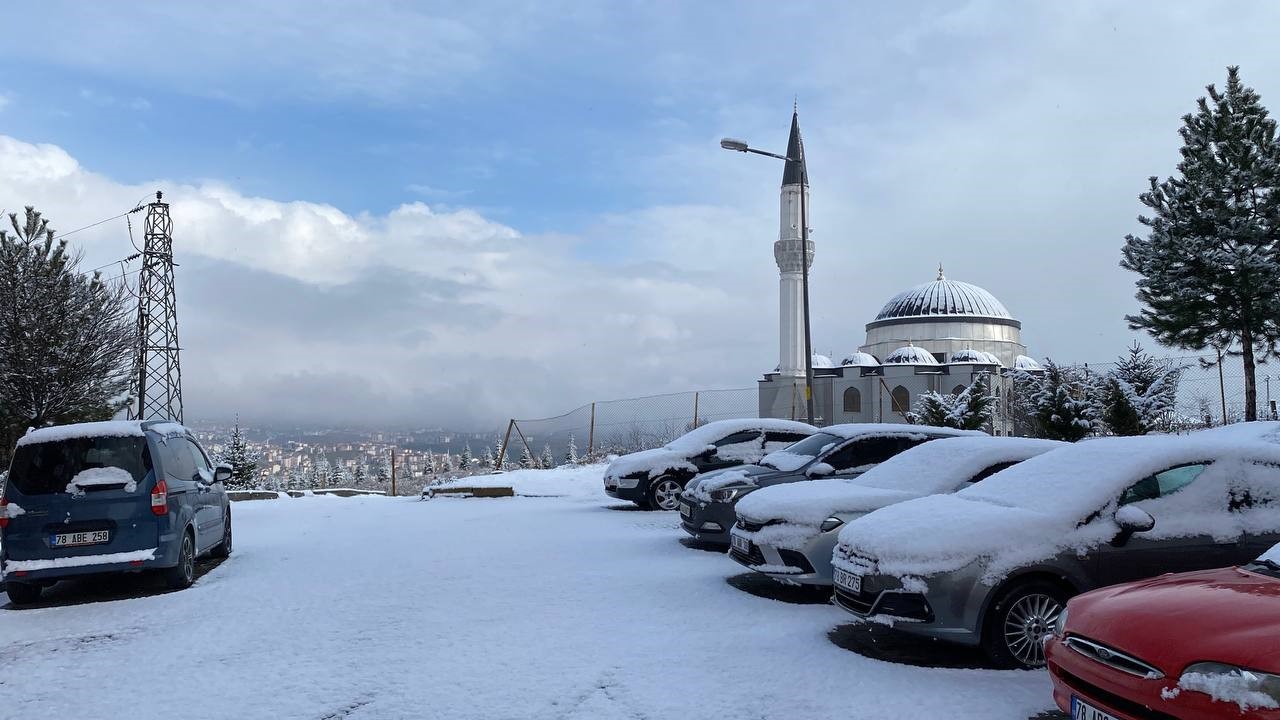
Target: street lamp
x,y
740,146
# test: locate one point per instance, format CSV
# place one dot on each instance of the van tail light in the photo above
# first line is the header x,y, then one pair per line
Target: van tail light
x,y
160,498
4,512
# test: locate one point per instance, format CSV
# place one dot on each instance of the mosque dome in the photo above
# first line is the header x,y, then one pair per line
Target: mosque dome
x,y
944,299
1022,362
910,355
969,356
860,359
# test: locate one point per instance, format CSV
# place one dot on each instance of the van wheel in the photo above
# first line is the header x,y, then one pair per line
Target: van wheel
x,y
224,548
664,493
22,593
1013,634
181,576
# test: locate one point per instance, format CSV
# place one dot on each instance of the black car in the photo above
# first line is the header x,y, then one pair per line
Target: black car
x,y
654,478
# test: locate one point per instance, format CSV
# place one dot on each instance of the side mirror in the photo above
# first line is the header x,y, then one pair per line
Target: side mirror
x,y
818,470
1131,520
222,473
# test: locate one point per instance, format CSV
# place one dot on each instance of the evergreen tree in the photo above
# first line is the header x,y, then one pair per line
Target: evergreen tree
x,y
359,476
527,460
319,473
381,475
970,409
446,462
1064,407
546,460
1209,266
1139,394
337,475
466,460
243,462
486,460
571,454
500,459
66,339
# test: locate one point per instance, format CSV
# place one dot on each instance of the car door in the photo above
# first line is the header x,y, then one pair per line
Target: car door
x,y
209,506
861,454
1145,555
1255,502
745,446
778,440
180,476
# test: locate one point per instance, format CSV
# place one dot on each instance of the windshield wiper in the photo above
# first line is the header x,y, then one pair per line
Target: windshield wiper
x,y
1269,564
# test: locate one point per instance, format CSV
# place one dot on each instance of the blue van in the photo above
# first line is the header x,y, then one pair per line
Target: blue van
x,y
106,497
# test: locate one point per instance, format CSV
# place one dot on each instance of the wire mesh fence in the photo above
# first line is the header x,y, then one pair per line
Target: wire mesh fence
x,y
1210,393
626,425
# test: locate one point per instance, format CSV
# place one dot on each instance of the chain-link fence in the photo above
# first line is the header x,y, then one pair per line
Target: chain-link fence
x,y
1211,393
623,426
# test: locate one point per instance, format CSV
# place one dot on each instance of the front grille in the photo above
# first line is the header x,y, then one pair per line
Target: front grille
x,y
794,559
860,603
1090,691
752,558
753,526
1113,658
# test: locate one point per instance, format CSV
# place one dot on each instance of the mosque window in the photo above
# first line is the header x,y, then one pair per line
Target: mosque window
x,y
901,399
957,390
852,400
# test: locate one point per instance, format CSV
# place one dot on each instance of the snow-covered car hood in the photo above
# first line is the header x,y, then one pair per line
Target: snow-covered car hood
x,y
1038,508
809,503
743,475
653,462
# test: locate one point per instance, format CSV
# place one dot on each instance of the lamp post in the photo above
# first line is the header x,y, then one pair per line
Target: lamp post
x,y
740,146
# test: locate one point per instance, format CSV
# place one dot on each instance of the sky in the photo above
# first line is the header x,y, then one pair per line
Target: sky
x,y
444,214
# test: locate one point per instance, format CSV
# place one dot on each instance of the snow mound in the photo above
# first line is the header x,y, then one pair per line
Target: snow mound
x,y
108,428
1066,499
1239,687
565,481
91,477
1258,430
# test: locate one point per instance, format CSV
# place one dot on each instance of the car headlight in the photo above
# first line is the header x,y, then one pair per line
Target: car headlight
x,y
1229,683
830,523
1060,625
724,495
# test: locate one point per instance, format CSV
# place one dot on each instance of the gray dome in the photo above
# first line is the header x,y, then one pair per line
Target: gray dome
x,y
943,297
860,359
911,355
969,356
1022,362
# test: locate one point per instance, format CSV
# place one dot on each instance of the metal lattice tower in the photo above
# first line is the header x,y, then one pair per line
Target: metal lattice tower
x,y
157,374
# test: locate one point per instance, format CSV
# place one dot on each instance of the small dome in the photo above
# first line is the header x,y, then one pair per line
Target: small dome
x,y
911,355
969,356
860,359
1022,362
822,361
944,297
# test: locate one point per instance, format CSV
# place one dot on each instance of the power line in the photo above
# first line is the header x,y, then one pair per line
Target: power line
x,y
139,208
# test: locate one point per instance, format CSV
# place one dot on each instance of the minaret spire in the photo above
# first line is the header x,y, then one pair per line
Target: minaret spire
x,y
793,261
940,275
795,173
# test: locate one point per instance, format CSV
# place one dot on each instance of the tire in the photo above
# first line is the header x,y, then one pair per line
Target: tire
x,y
664,493
22,593
1017,623
180,576
223,549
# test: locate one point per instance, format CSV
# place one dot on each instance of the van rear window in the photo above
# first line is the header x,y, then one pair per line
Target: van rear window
x,y
44,468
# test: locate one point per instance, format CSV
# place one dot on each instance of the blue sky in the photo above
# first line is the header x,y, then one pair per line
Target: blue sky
x,y
529,200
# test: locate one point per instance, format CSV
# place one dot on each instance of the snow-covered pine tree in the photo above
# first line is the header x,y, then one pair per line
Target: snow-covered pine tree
x,y
319,473
466,459
381,474
1209,265
1064,407
1139,394
527,460
243,462
486,459
970,409
359,476
1118,408
546,460
66,338
571,453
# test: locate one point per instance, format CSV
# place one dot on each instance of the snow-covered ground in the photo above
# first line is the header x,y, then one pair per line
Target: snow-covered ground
x,y
528,607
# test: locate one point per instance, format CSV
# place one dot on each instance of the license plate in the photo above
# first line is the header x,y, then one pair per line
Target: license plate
x,y
740,543
90,537
1081,710
686,510
847,581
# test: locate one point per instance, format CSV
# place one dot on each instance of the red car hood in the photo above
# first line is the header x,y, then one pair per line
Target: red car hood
x,y
1227,615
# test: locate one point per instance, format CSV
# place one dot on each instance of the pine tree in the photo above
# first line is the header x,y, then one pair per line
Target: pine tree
x,y
337,475
500,459
446,463
466,460
527,460
1139,394
243,462
66,339
486,460
970,409
319,473
1064,407
1209,267
381,475
359,475
571,453
546,460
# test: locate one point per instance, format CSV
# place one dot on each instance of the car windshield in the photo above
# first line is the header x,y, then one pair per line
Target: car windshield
x,y
44,468
797,455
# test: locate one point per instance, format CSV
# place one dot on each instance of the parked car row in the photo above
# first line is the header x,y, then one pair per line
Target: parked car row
x,y
1038,552
109,497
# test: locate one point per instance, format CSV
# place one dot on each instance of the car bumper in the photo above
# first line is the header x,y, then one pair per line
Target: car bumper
x,y
809,566
1130,697
21,571
635,494
941,615
707,522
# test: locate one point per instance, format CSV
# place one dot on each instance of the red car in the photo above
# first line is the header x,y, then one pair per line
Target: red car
x,y
1176,647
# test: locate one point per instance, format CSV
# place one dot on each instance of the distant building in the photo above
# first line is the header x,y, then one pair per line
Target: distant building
x,y
936,336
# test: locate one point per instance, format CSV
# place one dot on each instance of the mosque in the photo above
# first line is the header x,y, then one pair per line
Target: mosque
x,y
936,336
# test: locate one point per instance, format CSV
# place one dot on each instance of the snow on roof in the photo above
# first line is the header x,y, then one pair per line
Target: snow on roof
x,y
969,356
852,430
1022,362
934,467
860,359
822,361
107,428
911,355
1258,430
697,440
944,297
1034,509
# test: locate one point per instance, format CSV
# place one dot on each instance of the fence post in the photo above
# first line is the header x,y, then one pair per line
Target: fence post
x,y
502,455
695,409
1222,388
591,431
393,472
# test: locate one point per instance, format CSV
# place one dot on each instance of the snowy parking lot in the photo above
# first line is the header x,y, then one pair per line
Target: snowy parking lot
x,y
568,605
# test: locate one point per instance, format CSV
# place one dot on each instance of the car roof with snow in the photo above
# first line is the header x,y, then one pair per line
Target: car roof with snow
x,y
929,468
104,428
1028,512
697,440
849,431
1259,430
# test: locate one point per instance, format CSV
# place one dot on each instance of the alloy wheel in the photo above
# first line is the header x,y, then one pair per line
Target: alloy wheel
x,y
188,560
1026,623
666,494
